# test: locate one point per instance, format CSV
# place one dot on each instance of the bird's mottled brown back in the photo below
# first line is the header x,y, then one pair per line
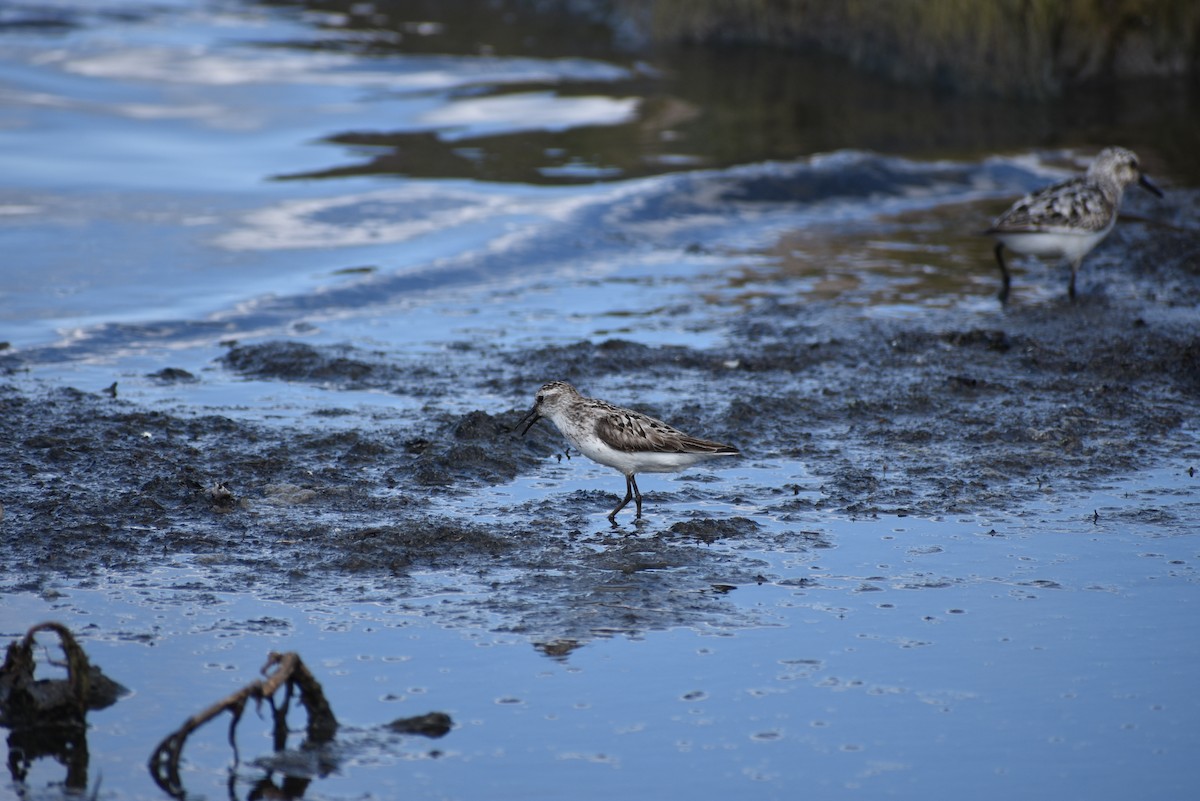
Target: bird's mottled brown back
x,y
632,431
1072,205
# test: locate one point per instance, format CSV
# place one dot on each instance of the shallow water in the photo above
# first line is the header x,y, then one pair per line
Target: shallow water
x,y
910,655
463,202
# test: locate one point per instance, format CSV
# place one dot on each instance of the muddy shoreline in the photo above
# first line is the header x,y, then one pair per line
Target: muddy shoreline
x,y
951,413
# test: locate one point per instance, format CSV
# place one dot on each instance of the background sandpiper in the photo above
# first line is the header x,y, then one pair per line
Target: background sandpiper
x,y
627,441
1070,218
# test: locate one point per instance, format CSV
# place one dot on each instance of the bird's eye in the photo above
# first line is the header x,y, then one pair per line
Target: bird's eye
x,y
541,398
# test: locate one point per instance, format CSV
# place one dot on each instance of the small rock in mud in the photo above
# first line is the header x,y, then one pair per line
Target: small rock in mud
x,y
431,724
711,530
173,375
435,541
992,340
476,448
582,361
297,361
288,494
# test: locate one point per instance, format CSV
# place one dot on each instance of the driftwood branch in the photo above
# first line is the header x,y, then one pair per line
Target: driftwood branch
x,y
285,671
27,701
48,717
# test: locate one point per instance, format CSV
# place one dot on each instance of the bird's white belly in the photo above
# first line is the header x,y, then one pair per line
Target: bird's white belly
x,y
1052,244
631,462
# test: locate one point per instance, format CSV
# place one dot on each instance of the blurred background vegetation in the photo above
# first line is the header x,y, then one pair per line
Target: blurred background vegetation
x,y
723,82
1013,48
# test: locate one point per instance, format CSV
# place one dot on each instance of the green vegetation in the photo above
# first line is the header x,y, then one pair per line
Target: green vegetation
x,y
1029,48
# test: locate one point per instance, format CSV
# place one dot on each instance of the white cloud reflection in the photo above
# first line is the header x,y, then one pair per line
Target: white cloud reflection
x,y
527,111
203,66
391,216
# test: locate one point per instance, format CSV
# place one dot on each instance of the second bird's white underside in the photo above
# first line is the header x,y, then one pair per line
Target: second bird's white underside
x,y
1070,245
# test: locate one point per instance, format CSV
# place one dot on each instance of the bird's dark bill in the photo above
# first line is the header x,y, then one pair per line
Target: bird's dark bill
x,y
1149,186
532,416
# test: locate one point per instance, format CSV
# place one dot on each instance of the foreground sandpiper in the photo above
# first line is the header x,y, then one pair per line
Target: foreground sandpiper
x,y
1070,218
627,441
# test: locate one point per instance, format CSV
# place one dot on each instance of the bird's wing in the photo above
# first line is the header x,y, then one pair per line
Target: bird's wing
x,y
1073,205
626,430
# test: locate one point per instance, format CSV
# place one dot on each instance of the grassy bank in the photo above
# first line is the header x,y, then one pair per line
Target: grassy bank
x,y
1030,48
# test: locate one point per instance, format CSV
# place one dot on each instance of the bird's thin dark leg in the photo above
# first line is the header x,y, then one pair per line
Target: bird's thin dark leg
x,y
629,488
1071,286
1007,280
637,495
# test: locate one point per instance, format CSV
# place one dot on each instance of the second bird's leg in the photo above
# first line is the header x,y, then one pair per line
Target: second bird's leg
x,y
1074,272
1003,272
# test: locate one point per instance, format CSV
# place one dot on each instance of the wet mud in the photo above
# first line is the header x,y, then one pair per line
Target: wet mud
x,y
947,412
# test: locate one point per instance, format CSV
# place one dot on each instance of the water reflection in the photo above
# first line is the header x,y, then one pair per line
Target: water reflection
x,y
696,106
66,745
915,259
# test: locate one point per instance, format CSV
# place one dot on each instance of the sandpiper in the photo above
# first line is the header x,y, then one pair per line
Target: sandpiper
x,y
1070,218
627,441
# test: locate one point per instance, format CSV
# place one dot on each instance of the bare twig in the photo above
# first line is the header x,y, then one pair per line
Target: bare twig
x,y
281,670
